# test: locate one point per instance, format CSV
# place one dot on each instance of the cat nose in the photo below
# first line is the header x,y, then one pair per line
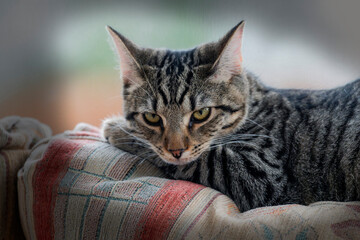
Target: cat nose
x,y
176,152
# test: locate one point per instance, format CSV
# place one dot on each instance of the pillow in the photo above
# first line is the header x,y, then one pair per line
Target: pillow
x,y
17,136
77,186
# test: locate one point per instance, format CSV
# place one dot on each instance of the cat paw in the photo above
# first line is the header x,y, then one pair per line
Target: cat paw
x,y
112,129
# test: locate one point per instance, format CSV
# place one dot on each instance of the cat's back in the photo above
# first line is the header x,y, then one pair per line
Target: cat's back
x,y
325,148
308,99
329,99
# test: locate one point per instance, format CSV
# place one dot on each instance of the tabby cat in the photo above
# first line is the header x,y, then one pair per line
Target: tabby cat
x,y
200,116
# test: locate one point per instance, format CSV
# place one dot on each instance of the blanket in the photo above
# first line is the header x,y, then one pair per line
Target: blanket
x,y
77,186
17,137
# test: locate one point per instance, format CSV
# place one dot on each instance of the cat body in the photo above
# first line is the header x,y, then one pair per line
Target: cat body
x,y
297,147
201,117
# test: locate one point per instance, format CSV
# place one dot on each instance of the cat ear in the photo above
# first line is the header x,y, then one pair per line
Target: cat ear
x,y
127,53
229,60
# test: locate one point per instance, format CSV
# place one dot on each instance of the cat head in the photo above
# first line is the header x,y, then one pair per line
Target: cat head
x,y
180,102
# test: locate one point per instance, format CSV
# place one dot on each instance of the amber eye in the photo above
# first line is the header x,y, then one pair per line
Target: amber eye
x,y
201,115
152,119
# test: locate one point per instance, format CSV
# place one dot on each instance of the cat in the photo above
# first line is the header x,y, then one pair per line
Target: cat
x,y
200,116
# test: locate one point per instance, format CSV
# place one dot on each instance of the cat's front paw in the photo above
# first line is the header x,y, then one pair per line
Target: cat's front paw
x,y
116,132
113,129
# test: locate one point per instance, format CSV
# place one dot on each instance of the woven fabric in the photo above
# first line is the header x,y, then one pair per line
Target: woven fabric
x,y
76,186
17,136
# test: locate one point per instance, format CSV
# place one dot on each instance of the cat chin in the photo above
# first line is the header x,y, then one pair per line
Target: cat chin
x,y
179,162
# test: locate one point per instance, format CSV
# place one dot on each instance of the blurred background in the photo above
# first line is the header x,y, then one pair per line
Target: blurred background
x,y
56,64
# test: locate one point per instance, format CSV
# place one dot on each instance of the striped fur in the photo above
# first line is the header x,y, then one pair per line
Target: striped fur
x,y
260,146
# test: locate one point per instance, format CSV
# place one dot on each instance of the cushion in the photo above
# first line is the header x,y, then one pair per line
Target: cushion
x,y
17,136
77,186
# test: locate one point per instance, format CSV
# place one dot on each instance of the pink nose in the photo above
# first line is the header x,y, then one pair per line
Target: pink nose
x,y
176,152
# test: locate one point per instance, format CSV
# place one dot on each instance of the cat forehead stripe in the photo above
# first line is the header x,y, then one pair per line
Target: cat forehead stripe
x,y
172,73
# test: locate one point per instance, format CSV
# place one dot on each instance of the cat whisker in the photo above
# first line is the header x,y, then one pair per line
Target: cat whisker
x,y
147,153
248,119
235,142
131,138
240,137
137,138
149,156
229,142
131,143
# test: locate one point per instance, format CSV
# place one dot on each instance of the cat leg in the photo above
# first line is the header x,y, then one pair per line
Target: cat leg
x,y
116,132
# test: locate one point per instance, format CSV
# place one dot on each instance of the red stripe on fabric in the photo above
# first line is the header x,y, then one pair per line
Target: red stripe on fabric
x,y
86,134
200,215
47,176
165,207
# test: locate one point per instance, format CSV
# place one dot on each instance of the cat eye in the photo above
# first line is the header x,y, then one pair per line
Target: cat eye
x,y
152,119
201,115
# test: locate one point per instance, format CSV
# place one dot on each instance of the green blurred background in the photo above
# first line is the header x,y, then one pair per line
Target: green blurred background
x,y
57,65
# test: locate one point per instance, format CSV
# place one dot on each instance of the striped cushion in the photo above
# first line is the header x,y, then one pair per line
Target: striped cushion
x,y
17,136
76,186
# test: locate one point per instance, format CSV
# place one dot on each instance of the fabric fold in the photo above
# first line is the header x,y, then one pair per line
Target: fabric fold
x,y
17,137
